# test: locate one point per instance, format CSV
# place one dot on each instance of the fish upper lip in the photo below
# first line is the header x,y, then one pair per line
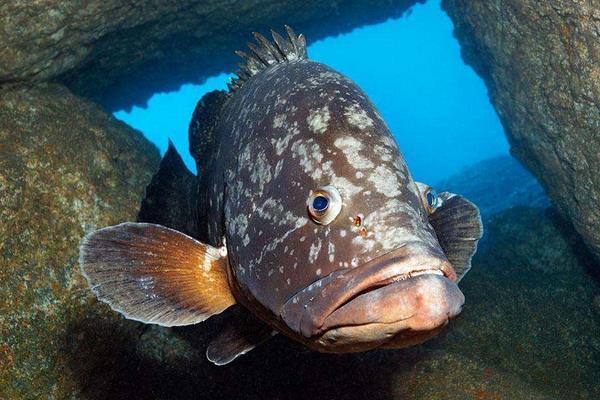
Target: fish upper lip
x,y
306,311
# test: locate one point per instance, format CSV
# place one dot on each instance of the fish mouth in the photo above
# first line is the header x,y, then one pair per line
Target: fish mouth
x,y
395,298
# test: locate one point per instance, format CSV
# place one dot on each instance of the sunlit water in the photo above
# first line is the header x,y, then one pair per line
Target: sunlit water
x,y
410,67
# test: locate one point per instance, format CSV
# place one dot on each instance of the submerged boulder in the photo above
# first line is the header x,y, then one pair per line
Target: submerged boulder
x,y
529,313
66,168
541,63
120,53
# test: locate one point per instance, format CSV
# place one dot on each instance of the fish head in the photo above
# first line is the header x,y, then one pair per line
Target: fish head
x,y
327,232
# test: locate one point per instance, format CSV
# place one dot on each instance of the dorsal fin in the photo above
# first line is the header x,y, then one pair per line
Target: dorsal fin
x,y
202,134
204,144
171,197
265,53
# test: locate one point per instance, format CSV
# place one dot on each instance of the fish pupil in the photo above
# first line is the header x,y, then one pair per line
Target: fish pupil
x,y
431,199
320,203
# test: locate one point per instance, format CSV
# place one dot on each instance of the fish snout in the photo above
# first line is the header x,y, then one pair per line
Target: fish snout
x,y
398,298
397,315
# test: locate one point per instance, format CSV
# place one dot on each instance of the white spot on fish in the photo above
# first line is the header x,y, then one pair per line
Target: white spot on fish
x,y
350,146
347,189
280,144
315,248
279,121
318,120
358,117
206,264
261,172
385,181
331,251
238,225
278,168
384,152
310,157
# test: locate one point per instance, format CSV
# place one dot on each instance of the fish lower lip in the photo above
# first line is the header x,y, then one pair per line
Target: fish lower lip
x,y
306,312
423,303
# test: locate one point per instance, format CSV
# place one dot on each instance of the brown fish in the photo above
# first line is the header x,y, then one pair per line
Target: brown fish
x,y
304,213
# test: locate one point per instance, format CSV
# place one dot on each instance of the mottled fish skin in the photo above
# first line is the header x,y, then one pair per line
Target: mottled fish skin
x,y
307,217
294,127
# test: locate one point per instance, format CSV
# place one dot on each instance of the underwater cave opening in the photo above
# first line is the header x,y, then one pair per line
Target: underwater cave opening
x,y
410,67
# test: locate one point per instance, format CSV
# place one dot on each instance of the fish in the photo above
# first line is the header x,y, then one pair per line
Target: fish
x,y
303,220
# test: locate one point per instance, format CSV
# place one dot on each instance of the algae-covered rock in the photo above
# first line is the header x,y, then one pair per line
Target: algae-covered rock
x,y
119,53
541,63
66,167
530,330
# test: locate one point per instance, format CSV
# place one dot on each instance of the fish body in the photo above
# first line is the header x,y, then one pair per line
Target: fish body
x,y
307,216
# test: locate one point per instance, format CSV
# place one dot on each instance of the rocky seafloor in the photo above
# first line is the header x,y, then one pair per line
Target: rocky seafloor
x,y
531,326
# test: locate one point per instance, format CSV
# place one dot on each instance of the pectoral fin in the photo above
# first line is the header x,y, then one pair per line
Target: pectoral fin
x,y
242,333
458,226
154,274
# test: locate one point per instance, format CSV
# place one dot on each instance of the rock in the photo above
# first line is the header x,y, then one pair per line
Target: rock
x,y
541,64
66,167
530,304
530,330
496,184
121,53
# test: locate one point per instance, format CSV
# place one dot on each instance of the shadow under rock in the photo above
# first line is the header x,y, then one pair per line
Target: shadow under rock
x,y
530,310
163,363
582,254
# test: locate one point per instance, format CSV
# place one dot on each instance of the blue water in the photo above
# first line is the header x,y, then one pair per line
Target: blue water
x,y
410,67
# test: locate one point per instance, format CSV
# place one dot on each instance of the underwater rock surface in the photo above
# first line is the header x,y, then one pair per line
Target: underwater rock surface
x,y
120,53
530,330
496,184
66,168
541,63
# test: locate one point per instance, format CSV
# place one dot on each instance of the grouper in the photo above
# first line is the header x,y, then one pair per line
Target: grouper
x,y
303,218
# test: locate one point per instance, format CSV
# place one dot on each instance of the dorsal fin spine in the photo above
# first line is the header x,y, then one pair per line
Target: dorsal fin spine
x,y
265,53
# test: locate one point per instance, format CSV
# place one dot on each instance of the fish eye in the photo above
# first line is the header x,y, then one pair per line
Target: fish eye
x,y
320,203
429,197
324,204
432,198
